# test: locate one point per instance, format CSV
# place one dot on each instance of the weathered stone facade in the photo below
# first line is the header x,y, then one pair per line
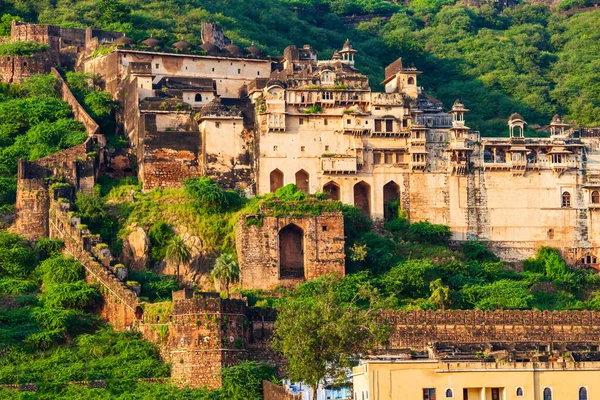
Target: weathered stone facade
x,y
284,251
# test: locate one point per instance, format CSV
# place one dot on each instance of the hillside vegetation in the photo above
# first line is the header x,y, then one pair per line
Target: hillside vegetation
x,y
525,59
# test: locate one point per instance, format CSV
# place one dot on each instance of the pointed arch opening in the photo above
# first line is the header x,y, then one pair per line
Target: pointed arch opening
x,y
362,196
303,181
332,191
291,252
198,97
391,200
276,180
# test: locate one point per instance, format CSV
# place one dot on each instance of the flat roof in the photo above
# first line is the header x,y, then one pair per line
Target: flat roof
x,y
194,56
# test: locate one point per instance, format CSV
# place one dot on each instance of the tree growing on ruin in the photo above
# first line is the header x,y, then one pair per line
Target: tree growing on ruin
x,y
322,333
226,271
178,253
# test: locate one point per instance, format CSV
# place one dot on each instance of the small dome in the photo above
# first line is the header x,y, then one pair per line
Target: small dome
x,y
515,117
557,119
151,42
234,49
182,45
255,51
208,47
336,56
347,45
123,41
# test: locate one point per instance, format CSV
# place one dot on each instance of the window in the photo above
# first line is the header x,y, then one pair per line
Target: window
x,y
377,125
465,394
213,70
389,125
324,228
411,81
217,124
156,65
275,148
449,394
257,72
519,392
198,97
302,148
301,121
583,393
566,199
325,123
326,148
239,71
348,121
495,394
25,64
595,197
429,394
547,393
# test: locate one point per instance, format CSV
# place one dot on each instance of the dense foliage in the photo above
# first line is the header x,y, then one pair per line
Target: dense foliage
x,y
22,48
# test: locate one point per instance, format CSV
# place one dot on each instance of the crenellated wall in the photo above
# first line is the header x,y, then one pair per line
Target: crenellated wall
x,y
418,329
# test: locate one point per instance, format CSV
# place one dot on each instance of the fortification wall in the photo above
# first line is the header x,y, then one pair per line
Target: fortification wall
x,y
260,248
79,113
121,305
418,329
14,69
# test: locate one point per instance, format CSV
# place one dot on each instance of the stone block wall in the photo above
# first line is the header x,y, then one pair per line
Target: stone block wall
x,y
79,113
120,305
260,249
14,69
418,329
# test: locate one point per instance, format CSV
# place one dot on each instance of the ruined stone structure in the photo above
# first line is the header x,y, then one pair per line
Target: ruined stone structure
x,y
65,45
284,251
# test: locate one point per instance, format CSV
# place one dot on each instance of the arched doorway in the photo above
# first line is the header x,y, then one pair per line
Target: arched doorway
x,y
332,191
276,180
291,252
362,195
302,181
391,195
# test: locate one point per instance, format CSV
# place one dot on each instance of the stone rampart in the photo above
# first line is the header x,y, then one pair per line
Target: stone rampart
x,y
417,329
121,305
14,69
79,113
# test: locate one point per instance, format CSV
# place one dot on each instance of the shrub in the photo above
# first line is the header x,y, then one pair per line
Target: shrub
x,y
474,250
47,247
160,235
426,232
77,295
22,48
210,196
60,269
244,381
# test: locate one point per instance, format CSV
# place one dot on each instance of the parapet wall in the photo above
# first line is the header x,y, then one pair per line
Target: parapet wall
x,y
14,69
417,329
121,304
91,127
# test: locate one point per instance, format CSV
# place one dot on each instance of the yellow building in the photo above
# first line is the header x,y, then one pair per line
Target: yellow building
x,y
459,380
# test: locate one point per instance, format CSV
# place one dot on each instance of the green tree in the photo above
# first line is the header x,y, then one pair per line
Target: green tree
x,y
244,381
178,253
440,294
321,334
226,271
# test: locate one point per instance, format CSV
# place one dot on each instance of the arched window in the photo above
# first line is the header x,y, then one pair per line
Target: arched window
x,y
519,392
198,97
411,81
566,199
275,180
583,393
449,394
595,197
547,393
